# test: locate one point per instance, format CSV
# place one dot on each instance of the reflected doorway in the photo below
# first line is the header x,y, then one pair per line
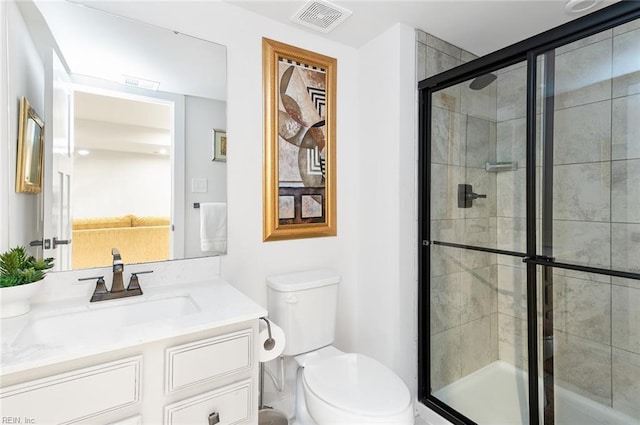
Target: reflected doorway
x,y
121,191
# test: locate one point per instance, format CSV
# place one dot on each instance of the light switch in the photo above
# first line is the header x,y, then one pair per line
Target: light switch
x,y
198,185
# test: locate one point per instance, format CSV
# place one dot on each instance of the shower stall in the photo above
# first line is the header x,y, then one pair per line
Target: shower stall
x,y
530,230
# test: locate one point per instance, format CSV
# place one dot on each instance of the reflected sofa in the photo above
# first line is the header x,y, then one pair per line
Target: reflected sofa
x,y
139,239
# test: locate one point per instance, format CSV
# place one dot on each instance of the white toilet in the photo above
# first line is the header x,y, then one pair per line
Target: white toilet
x,y
332,387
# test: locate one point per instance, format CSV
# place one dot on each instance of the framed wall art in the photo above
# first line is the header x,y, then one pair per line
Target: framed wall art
x,y
30,150
219,146
299,142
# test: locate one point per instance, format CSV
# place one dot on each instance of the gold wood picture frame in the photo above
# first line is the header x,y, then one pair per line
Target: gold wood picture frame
x,y
30,150
219,146
299,143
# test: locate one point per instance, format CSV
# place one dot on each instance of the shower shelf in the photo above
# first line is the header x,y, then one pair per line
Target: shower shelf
x,y
494,167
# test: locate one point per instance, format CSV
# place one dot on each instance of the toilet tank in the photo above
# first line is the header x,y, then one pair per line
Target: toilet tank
x,y
304,305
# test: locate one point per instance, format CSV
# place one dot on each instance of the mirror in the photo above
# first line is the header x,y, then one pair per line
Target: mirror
x,y
134,161
30,142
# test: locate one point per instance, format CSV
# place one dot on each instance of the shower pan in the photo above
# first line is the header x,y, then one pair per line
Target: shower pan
x,y
530,230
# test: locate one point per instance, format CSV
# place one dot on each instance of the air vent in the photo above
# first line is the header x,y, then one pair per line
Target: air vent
x,y
321,15
140,82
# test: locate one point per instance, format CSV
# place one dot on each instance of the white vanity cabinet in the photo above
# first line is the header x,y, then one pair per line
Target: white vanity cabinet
x,y
205,362
175,381
75,395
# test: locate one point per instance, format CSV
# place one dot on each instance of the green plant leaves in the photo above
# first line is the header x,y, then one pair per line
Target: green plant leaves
x,y
17,267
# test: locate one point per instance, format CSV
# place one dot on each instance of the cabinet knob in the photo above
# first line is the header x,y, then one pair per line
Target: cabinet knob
x,y
214,418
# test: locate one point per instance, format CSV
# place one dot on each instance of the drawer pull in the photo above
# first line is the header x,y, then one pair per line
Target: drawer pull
x,y
214,418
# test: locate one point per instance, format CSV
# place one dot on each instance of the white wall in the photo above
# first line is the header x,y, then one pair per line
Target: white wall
x,y
201,117
113,184
26,71
387,266
249,260
4,131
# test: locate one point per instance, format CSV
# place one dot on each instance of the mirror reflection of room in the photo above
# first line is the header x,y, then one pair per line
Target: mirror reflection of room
x,y
132,104
120,191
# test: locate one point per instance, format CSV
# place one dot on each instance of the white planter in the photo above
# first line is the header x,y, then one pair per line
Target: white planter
x,y
14,300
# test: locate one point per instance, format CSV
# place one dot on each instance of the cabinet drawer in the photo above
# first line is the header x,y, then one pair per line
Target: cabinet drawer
x,y
76,395
136,420
207,359
232,404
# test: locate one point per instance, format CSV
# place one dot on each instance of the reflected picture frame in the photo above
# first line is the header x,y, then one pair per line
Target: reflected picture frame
x,y
29,166
299,169
219,146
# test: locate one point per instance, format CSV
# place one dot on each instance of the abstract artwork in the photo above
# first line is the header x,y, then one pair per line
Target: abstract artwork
x,y
299,163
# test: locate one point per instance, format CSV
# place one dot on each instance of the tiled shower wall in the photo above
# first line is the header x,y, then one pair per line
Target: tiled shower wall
x,y
511,215
463,288
596,217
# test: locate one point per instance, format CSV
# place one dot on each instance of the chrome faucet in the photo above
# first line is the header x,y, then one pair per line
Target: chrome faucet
x,y
117,287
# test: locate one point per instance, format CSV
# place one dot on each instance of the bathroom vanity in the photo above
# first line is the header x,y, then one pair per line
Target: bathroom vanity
x,y
178,354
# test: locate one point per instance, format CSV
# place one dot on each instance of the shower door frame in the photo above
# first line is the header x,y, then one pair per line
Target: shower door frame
x,y
528,50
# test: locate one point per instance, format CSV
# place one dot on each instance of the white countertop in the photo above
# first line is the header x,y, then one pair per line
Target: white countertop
x,y
211,304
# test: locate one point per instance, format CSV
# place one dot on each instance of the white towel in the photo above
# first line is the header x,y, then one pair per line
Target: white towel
x,y
213,227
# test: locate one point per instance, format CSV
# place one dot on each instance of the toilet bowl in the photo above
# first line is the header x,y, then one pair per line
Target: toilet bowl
x,y
336,388
332,387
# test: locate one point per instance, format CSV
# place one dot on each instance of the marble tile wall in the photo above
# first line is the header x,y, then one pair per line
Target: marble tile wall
x,y
511,214
463,287
597,216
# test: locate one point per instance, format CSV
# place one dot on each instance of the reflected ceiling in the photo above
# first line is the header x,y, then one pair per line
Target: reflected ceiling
x,y
106,50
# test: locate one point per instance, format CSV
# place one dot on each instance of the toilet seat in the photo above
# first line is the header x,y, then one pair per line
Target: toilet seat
x,y
357,384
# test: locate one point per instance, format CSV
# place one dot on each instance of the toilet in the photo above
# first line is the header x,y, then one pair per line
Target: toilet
x,y
332,387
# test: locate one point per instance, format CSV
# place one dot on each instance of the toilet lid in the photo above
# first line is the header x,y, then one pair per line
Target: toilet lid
x,y
357,384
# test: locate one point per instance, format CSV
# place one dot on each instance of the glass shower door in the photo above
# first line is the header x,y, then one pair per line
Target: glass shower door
x,y
478,283
590,228
530,226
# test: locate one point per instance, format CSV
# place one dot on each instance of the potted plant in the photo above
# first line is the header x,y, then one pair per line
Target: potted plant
x,y
21,276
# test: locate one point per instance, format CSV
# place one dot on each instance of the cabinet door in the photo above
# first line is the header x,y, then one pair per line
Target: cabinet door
x,y
76,395
231,403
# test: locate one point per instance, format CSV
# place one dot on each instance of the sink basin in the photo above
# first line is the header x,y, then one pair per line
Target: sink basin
x,y
102,321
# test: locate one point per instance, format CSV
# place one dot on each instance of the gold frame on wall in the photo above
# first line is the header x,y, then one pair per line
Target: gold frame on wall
x,y
219,146
303,123
30,150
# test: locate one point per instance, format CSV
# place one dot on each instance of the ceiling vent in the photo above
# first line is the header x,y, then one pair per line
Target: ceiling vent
x,y
320,15
140,82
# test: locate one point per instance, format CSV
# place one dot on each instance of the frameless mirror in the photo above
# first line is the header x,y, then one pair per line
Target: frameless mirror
x,y
133,104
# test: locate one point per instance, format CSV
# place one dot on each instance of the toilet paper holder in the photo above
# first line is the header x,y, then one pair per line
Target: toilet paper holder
x,y
269,344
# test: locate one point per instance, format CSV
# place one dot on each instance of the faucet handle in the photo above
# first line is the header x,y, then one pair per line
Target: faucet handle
x,y
134,283
101,288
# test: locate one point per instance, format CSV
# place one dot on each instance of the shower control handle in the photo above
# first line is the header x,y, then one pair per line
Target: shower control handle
x,y
466,195
473,196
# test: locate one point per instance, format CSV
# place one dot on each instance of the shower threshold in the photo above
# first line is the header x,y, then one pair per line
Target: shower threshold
x,y
497,394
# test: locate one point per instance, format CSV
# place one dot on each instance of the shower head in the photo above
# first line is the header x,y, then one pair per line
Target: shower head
x,y
482,81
